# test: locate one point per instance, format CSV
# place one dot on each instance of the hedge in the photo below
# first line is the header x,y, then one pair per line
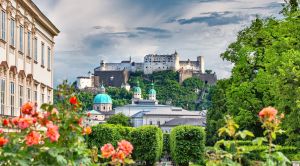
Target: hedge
x,y
148,144
253,152
108,133
166,140
187,144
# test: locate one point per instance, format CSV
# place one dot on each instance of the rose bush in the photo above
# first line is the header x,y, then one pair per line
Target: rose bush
x,y
48,136
111,156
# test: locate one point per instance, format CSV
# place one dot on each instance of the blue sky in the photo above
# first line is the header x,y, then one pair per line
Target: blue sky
x,y
114,30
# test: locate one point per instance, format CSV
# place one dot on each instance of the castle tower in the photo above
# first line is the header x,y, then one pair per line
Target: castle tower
x,y
200,60
152,93
102,65
137,92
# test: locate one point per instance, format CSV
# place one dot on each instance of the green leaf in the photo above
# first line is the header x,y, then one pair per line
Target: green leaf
x,y
259,141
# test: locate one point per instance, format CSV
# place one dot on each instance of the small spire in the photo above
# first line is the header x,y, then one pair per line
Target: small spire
x,y
152,85
102,88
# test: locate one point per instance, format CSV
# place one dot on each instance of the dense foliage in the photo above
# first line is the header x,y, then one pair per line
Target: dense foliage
x,y
148,144
120,119
170,90
107,133
266,71
187,144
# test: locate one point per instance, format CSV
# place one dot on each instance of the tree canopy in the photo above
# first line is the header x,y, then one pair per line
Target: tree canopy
x,y
266,72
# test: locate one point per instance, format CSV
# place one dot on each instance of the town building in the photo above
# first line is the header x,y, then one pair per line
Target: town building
x,y
167,127
84,82
26,56
149,112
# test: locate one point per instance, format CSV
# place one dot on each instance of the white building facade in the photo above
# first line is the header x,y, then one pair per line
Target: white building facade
x,y
26,56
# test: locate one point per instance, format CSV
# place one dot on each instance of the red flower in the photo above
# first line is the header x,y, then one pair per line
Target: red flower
x,y
107,150
268,113
73,100
80,121
87,130
118,157
3,141
52,132
33,138
25,122
88,114
15,121
1,131
125,146
5,122
28,108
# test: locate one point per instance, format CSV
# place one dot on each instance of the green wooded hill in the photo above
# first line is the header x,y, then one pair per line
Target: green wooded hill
x,y
167,88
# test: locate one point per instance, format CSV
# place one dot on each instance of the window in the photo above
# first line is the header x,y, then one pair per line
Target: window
x,y
12,32
43,98
35,49
35,96
21,95
28,43
21,39
12,98
3,20
150,122
158,123
49,96
28,94
2,96
42,58
49,58
42,95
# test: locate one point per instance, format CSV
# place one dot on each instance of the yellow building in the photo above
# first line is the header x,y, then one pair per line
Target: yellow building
x,y
26,56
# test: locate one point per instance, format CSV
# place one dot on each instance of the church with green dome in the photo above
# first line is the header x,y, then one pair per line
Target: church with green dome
x,y
137,95
102,101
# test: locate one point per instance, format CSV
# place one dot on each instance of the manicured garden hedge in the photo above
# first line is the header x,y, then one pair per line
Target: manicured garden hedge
x,y
253,152
187,144
108,133
148,144
166,146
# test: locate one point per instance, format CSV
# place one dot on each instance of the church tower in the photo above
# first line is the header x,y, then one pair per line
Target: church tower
x,y
137,92
152,93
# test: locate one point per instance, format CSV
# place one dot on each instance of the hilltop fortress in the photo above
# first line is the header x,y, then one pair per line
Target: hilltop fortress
x,y
117,74
154,62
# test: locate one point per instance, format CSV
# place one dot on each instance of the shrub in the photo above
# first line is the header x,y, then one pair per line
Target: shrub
x,y
187,144
148,144
120,119
108,133
103,134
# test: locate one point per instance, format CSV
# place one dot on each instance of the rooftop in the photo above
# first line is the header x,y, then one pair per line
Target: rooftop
x,y
186,121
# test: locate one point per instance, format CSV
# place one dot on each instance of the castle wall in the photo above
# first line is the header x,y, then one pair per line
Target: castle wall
x,y
154,63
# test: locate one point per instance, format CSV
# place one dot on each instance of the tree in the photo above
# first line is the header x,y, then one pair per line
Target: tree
x,y
266,72
120,119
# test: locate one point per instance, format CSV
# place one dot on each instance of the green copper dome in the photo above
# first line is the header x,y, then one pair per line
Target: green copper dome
x,y
102,99
137,89
152,92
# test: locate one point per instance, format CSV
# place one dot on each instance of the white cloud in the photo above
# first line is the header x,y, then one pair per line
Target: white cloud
x,y
99,29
